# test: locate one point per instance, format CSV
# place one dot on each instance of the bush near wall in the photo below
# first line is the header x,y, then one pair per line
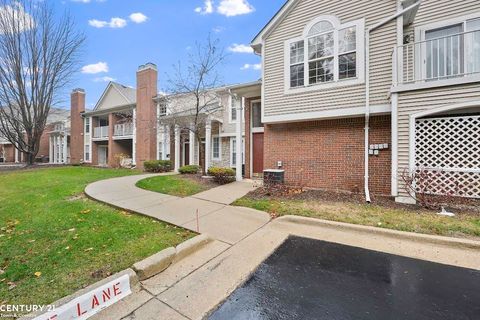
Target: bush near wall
x,y
222,175
191,169
158,166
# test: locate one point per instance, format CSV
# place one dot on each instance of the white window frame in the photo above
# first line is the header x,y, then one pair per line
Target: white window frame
x,y
360,56
232,157
256,129
219,158
231,112
87,152
420,32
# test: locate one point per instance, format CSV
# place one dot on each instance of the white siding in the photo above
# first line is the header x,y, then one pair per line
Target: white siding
x,y
382,43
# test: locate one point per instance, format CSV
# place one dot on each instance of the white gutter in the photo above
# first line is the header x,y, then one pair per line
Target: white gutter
x,y
367,89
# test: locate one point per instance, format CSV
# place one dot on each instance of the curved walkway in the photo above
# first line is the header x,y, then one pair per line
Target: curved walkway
x,y
215,216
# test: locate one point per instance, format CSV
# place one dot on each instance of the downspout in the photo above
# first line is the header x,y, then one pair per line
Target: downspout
x,y
367,89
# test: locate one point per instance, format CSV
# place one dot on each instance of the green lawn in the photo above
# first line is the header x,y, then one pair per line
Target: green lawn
x,y
177,185
54,241
402,219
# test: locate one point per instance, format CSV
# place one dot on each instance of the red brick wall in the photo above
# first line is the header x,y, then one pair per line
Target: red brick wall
x,y
330,154
146,121
9,152
77,142
44,148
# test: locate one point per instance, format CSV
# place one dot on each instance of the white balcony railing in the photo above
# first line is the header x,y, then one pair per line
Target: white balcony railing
x,y
100,132
442,58
122,130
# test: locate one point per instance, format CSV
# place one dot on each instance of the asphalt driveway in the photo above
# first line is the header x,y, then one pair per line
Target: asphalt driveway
x,y
312,279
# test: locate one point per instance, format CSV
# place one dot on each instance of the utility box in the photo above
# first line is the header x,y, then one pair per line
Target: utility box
x,y
274,176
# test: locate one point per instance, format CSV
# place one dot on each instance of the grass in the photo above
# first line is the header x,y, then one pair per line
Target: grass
x,y
403,219
180,186
54,241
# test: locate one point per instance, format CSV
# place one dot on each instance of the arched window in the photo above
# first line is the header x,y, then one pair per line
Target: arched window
x,y
328,52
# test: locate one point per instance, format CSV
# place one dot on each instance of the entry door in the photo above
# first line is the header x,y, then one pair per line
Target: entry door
x,y
102,155
186,153
258,153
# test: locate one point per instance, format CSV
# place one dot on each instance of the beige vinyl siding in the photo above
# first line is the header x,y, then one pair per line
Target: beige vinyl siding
x,y
382,42
417,101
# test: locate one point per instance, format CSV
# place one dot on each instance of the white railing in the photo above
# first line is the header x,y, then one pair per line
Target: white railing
x,y
123,129
100,132
436,59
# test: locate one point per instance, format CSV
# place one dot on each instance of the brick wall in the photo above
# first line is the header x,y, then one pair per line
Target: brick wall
x,y
44,148
77,141
146,121
330,154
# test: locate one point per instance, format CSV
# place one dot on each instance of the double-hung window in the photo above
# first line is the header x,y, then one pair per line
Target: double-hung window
x,y
87,125
216,148
451,49
87,152
327,53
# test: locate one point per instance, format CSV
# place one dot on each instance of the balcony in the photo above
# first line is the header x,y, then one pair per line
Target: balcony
x,y
452,59
123,129
100,132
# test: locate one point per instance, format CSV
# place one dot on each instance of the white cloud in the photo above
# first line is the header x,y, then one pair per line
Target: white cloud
x,y
206,9
104,79
95,68
114,23
16,12
248,66
240,48
232,8
138,17
218,29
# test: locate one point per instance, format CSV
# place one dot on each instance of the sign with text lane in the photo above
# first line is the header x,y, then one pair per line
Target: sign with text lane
x,y
92,302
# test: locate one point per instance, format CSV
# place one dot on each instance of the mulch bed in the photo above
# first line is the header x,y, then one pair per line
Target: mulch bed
x,y
464,206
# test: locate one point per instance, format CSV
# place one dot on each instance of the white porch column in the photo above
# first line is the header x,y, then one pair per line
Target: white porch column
x,y
50,149
177,148
208,143
239,146
16,156
192,146
55,149
165,148
134,140
65,148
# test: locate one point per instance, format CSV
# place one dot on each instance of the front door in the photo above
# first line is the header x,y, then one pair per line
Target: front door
x,y
102,155
257,153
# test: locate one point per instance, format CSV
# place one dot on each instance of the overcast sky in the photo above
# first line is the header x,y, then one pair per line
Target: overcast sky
x,y
123,34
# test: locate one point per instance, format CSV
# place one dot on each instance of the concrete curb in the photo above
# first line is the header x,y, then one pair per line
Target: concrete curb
x,y
192,245
160,261
402,235
134,286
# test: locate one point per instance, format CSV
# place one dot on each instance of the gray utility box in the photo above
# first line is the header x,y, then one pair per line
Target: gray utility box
x,y
273,176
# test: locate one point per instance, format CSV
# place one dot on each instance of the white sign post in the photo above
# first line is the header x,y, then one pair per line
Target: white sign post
x,y
92,302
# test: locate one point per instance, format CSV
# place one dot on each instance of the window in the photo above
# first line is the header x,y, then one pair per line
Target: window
x,y
87,125
160,151
87,152
233,110
162,109
233,152
328,52
216,148
257,115
452,50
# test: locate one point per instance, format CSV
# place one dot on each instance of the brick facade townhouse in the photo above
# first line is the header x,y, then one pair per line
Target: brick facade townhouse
x,y
353,93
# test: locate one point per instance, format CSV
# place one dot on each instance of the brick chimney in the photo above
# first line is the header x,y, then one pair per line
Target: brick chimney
x,y
146,119
77,142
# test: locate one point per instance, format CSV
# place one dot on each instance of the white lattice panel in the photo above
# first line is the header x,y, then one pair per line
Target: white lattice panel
x,y
449,148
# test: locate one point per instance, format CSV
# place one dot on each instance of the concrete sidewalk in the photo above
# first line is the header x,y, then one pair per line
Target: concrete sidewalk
x,y
215,216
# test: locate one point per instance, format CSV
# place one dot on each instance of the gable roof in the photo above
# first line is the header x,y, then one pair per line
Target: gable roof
x,y
276,19
128,94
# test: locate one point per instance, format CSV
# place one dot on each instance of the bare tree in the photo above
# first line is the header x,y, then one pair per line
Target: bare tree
x,y
38,55
192,96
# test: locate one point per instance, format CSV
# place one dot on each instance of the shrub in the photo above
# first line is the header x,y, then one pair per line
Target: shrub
x,y
192,169
158,166
222,175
